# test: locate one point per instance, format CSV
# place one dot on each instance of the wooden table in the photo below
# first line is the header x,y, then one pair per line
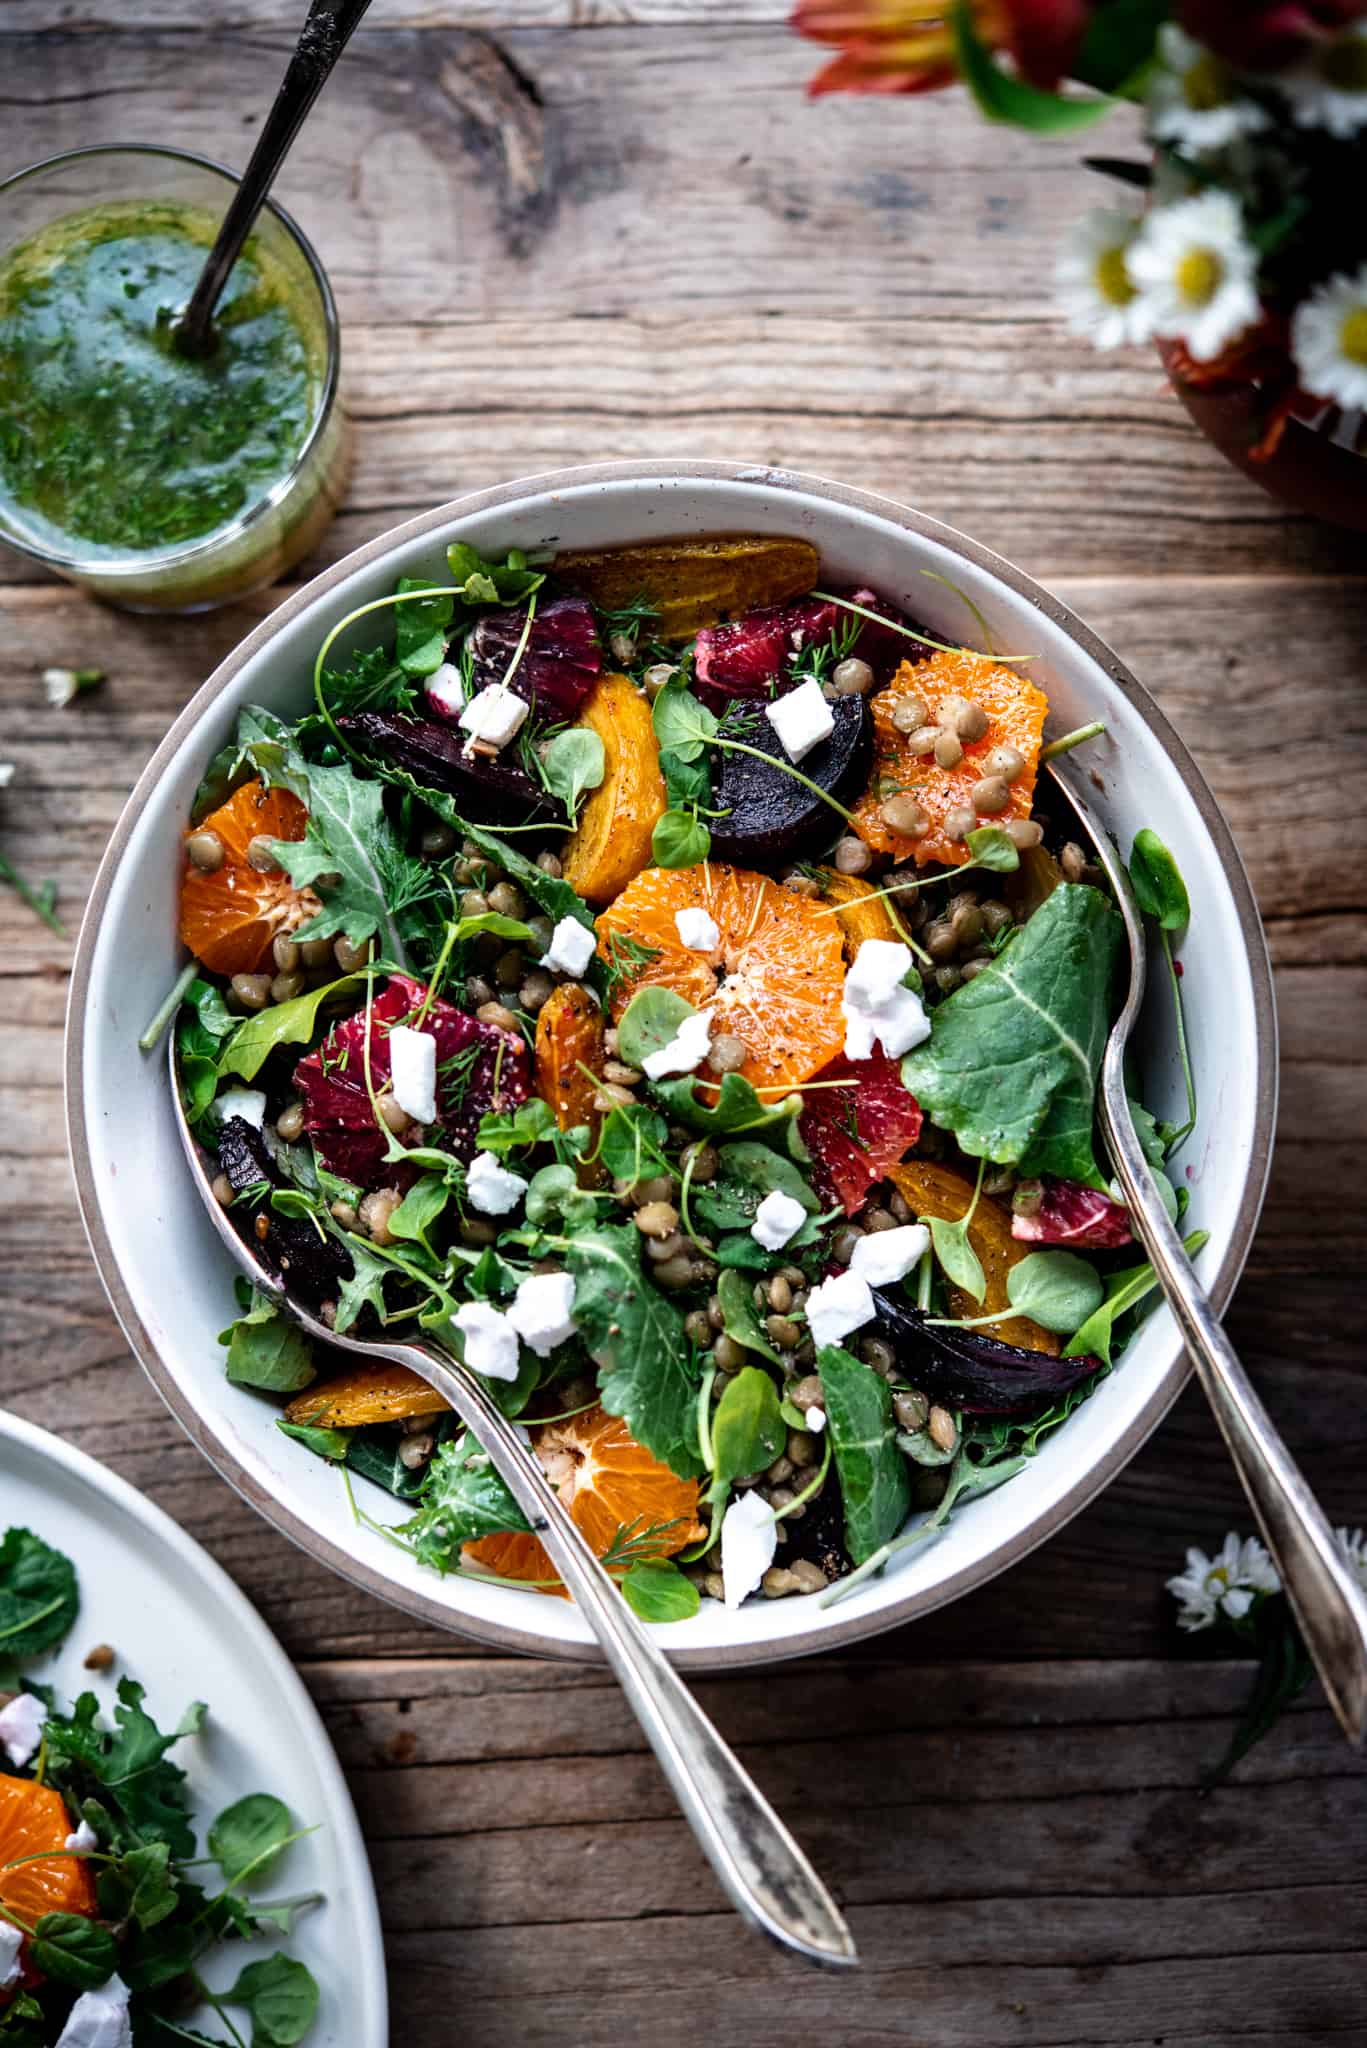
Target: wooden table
x,y
561,233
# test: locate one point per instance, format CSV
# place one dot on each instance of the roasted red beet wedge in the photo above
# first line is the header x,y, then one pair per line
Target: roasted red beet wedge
x,y
559,665
855,1134
486,788
1071,1214
968,1369
479,1068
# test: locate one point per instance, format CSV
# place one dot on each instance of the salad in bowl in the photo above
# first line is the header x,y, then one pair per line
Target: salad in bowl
x,y
656,974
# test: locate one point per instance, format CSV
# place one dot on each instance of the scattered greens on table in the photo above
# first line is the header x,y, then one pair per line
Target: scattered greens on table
x,y
437,905
127,1949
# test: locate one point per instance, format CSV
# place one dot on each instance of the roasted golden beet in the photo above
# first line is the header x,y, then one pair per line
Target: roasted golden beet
x,y
611,842
691,583
368,1393
934,1190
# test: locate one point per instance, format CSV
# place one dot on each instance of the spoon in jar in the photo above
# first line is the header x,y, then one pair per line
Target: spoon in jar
x,y
1329,1603
756,1860
325,34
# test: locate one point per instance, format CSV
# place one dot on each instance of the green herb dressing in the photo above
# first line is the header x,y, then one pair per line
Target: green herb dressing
x,y
109,437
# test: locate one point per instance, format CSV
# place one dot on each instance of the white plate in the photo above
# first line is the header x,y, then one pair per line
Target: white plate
x,y
181,1628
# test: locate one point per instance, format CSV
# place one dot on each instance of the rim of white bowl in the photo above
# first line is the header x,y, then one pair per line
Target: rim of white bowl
x,y
857,1625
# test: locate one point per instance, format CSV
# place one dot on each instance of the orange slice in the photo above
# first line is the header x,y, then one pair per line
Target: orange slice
x,y
607,1481
34,1818
1016,712
229,918
774,981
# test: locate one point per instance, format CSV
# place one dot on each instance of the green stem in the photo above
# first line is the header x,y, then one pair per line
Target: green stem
x,y
39,901
813,1487
942,646
979,621
377,604
178,992
1072,739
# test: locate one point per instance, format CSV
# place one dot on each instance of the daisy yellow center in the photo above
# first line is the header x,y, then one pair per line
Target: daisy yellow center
x,y
1353,336
1199,275
1344,64
1205,84
1112,278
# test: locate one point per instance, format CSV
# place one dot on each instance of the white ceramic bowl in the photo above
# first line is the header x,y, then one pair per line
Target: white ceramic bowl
x,y
168,1277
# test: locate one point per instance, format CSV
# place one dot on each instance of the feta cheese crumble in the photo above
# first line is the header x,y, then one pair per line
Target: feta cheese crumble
x,y
699,932
248,1103
777,1218
21,1727
885,1256
837,1307
413,1071
571,948
490,1339
876,1008
802,719
491,1188
542,1311
749,1538
85,1837
495,715
444,688
815,1419
685,1049
11,1941
99,2019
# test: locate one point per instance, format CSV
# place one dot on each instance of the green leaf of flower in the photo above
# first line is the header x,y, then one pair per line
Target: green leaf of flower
x,y
1003,97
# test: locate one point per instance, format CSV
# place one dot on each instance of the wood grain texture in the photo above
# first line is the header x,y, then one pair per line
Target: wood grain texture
x,y
554,246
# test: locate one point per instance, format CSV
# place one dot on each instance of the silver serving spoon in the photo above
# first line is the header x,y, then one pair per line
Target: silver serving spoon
x,y
1324,1592
757,1862
325,34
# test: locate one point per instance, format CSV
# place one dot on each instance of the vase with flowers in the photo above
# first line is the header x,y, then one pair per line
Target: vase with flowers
x,y
1241,248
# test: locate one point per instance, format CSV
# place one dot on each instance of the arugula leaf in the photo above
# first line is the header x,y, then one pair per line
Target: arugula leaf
x,y
1158,886
574,762
1010,1067
371,681
748,1431
204,1024
463,1498
656,1590
746,1173
420,627
139,1885
73,1950
267,1350
365,1288
38,1595
126,1767
248,1835
484,582
632,1141
291,1023
874,1481
1124,1291
349,846
419,1210
1058,1290
282,1997
502,1131
738,1108
742,1324
645,1370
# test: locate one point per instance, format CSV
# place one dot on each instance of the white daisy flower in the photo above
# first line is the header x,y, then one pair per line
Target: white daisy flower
x,y
1196,273
1353,1544
1194,99
1092,283
1329,340
1329,91
1224,1584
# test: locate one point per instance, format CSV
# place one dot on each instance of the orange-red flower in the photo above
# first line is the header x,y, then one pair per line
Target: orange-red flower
x,y
905,46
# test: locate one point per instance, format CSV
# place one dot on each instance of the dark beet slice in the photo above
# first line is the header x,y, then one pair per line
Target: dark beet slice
x,y
749,655
559,665
310,1266
967,1369
479,1067
818,1533
487,788
1068,1213
856,1133
772,817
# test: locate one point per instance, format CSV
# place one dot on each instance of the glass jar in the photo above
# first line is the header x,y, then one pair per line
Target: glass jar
x,y
284,516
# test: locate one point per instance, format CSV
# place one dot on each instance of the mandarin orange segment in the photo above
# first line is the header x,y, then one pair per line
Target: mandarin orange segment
x,y
1016,712
228,918
774,981
607,1481
33,1818
368,1393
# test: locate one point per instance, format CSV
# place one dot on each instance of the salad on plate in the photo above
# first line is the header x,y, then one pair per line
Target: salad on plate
x,y
655,976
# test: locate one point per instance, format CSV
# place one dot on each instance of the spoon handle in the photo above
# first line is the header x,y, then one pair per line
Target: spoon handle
x,y
325,34
1323,1589
756,1860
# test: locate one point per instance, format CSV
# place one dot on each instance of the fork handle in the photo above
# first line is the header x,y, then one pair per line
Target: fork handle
x,y
1328,1601
756,1860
